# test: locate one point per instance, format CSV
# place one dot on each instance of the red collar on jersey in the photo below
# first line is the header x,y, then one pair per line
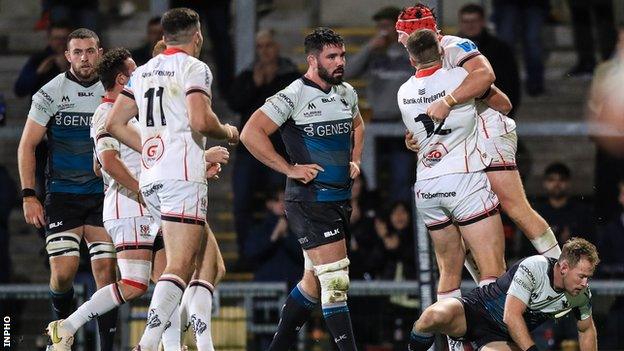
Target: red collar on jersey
x,y
105,99
171,51
427,71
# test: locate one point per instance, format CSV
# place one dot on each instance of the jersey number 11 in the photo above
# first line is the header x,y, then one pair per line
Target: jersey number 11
x,y
149,94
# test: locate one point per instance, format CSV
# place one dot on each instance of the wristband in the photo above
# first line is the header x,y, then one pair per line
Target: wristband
x,y
532,348
453,98
28,192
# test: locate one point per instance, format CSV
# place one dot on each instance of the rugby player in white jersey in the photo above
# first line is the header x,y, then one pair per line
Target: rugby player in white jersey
x,y
171,94
497,130
500,316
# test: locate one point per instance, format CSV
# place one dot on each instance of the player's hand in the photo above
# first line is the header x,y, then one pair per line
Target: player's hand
x,y
410,143
304,173
438,110
213,170
217,154
140,198
233,136
354,169
33,212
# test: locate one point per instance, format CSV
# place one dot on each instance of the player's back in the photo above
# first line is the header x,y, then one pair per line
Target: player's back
x,y
119,201
447,147
171,149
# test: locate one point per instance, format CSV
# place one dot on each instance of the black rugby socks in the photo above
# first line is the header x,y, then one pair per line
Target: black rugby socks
x,y
295,313
62,303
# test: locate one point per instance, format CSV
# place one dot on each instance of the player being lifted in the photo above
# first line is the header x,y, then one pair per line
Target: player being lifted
x,y
323,131
62,109
499,316
497,130
171,94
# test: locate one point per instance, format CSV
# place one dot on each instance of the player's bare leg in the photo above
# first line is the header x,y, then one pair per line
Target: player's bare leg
x,y
500,346
182,242
301,301
445,316
449,251
486,242
508,187
196,306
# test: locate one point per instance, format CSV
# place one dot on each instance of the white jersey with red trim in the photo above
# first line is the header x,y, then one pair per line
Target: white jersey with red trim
x,y
448,147
171,149
119,201
456,52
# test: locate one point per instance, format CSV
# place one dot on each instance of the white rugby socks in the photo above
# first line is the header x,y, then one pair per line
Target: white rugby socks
x,y
546,244
200,312
171,337
166,298
101,302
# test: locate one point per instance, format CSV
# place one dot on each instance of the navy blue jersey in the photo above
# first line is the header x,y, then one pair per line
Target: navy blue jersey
x,y
316,127
65,107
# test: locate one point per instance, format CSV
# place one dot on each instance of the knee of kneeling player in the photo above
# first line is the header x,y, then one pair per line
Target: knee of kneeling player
x,y
428,320
334,281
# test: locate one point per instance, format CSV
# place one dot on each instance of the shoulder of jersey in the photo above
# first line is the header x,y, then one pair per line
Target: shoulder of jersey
x,y
55,83
536,260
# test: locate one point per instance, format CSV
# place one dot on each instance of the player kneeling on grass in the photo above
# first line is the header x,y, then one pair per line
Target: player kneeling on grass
x,y
499,316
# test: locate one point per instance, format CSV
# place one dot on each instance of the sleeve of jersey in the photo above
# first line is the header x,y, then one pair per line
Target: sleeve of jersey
x,y
355,110
42,107
198,79
128,89
103,140
280,106
585,311
461,52
524,282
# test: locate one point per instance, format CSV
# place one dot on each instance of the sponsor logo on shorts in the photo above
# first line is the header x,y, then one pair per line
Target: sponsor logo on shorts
x,y
329,233
303,240
144,230
56,225
152,190
436,195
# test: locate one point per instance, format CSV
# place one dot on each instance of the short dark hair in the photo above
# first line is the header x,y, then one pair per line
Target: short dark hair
x,y
111,64
472,8
179,24
321,37
423,46
60,25
154,20
577,248
559,169
83,33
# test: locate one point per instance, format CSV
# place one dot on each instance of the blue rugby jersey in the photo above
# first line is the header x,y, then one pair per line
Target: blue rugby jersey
x,y
65,106
316,127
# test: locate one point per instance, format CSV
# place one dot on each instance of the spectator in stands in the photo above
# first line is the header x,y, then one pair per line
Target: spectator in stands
x,y
363,239
605,112
587,16
78,12
611,242
500,54
384,62
45,65
269,74
527,17
395,256
272,248
567,217
154,33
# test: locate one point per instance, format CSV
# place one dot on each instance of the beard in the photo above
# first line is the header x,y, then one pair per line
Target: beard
x,y
329,78
85,73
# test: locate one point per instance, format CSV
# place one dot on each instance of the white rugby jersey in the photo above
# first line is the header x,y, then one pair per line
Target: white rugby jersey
x,y
171,150
456,52
448,147
119,201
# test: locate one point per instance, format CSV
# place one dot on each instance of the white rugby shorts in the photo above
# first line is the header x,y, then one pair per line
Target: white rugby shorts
x,y
460,198
132,233
176,201
502,149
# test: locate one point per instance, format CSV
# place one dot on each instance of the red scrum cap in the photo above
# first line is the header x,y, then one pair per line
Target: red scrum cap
x,y
414,18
